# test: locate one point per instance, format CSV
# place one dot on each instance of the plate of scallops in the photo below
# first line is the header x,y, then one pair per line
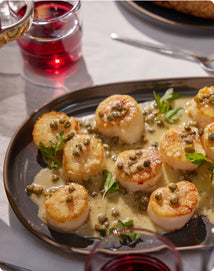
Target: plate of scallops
x,y
106,157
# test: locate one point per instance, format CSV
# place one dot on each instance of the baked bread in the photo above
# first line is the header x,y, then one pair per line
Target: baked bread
x,y
202,9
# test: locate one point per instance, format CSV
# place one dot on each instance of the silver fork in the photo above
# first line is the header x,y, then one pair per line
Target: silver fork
x,y
206,62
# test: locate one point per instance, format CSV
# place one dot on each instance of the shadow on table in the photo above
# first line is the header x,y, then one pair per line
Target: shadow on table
x,y
19,246
176,38
43,86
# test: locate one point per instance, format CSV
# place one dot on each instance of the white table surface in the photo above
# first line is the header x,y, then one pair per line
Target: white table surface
x,y
104,61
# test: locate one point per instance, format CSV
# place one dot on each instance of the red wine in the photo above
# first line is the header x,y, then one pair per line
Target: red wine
x,y
51,44
135,262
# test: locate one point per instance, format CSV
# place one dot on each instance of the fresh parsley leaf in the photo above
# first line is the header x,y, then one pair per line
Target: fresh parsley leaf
x,y
197,158
102,232
173,114
164,107
50,152
170,96
110,183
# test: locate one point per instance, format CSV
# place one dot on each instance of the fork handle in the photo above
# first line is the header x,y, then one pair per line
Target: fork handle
x,y
156,48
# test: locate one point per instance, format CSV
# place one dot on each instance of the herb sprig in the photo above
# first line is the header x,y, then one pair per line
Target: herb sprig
x,y
126,238
110,183
199,159
164,105
50,152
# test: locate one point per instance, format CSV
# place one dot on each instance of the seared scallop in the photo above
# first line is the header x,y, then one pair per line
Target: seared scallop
x,y
83,157
177,142
120,116
138,170
67,209
50,124
208,140
202,107
172,206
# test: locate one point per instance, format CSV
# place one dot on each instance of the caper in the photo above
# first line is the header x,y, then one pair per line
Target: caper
x,y
189,148
115,213
115,114
62,121
211,136
69,198
140,167
138,152
188,140
37,190
158,196
69,136
160,123
172,187
130,163
101,114
147,163
120,166
102,218
79,146
109,117
193,132
187,128
76,153
71,189
54,125
128,173
67,124
211,99
174,201
145,200
55,178
119,106
29,188
93,194
200,131
86,141
133,157
183,135
155,144
114,158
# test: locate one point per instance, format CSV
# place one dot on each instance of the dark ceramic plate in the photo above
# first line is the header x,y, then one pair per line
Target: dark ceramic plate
x,y
21,161
169,16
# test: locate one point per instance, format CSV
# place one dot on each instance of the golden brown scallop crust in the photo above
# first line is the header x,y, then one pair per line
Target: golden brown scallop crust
x,y
50,124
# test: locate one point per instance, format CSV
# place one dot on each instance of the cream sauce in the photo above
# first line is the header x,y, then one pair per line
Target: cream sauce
x,y
126,204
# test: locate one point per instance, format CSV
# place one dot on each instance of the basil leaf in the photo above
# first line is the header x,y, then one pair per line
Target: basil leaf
x,y
50,152
197,158
164,107
110,184
173,114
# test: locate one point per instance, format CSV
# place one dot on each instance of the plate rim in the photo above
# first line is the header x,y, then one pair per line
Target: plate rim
x,y
53,101
164,20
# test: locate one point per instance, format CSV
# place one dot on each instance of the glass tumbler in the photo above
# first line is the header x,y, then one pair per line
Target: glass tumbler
x,y
54,39
134,249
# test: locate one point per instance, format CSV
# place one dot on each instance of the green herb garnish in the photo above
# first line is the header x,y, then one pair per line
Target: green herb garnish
x,y
50,152
164,106
110,183
199,159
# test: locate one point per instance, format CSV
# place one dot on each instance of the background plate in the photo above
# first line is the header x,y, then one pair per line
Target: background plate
x,y
169,17
22,159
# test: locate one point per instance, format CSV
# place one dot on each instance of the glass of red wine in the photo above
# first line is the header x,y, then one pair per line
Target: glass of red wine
x,y
54,39
133,249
